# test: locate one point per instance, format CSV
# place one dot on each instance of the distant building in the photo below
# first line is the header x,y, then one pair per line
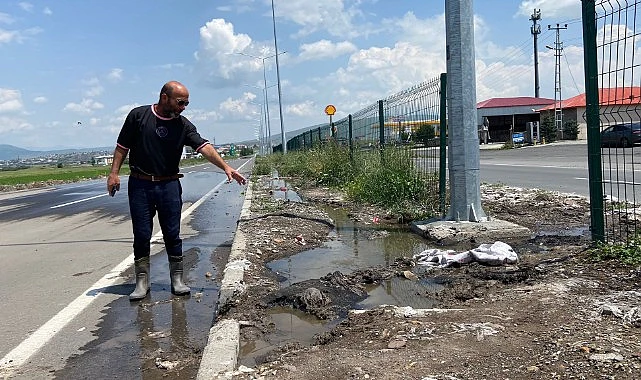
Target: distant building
x,y
103,160
509,115
616,105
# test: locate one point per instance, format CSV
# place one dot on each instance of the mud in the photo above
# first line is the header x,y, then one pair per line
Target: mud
x,y
555,314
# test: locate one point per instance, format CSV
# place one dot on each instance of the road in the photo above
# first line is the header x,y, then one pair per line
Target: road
x,y
552,167
564,167
66,255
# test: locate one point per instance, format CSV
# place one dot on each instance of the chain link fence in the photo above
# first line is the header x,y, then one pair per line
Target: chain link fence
x,y
407,129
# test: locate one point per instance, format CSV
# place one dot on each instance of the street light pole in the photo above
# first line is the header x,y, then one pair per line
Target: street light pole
x,y
280,103
269,126
268,123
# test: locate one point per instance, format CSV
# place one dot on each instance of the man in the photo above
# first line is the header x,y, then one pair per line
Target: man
x,y
154,136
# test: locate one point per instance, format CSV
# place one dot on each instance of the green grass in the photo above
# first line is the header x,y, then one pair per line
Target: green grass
x,y
53,173
387,179
626,253
45,173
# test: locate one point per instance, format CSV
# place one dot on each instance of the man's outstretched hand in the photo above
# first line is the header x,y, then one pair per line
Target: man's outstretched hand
x,y
234,175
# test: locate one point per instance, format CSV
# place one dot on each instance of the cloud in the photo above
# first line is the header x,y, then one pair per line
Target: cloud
x,y
12,124
551,8
27,7
10,100
7,36
47,11
94,87
6,18
240,109
86,106
330,16
307,108
325,49
40,100
217,60
115,75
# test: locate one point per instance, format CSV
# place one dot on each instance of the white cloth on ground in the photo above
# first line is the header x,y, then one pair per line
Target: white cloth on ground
x,y
498,253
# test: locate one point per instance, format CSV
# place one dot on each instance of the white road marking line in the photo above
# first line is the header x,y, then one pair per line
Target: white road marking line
x,y
21,353
78,201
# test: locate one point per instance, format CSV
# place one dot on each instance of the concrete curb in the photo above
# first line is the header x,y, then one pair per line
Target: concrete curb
x,y
223,343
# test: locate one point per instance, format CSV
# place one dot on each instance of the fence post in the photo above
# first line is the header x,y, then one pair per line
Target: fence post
x,y
442,171
320,138
381,124
351,144
592,119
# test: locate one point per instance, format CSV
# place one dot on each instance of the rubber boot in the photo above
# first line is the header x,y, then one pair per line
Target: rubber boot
x,y
141,267
176,274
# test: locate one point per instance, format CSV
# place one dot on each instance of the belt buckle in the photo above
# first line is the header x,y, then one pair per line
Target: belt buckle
x,y
153,179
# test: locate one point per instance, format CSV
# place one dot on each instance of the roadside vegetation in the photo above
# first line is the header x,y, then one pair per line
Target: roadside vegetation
x,y
384,178
65,173
627,253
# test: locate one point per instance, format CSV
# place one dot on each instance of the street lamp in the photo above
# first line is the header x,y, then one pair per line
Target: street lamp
x,y
269,128
280,103
261,140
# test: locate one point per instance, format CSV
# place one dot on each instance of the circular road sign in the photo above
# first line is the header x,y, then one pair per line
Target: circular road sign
x,y
330,110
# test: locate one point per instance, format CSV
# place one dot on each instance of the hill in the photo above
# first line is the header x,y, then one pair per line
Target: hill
x,y
11,152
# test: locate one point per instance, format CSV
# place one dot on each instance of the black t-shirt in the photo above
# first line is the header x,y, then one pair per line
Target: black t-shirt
x,y
156,143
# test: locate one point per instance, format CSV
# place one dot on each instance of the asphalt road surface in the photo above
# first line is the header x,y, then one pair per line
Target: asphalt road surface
x,y
564,167
66,255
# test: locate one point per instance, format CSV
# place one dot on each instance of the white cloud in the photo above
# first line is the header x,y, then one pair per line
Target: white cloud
x,y
325,49
94,88
115,75
217,61
330,16
40,100
86,106
551,8
7,36
428,33
6,18
12,124
307,108
47,11
27,7
240,109
10,100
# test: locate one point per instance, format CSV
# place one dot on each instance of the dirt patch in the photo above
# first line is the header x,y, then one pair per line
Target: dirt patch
x,y
555,314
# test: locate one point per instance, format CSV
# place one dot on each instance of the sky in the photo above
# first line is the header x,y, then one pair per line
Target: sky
x,y
71,70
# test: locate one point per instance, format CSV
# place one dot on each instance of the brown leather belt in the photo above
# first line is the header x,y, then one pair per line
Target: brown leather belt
x,y
154,178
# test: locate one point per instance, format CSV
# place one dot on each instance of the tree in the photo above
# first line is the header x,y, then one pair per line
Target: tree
x,y
571,130
548,129
424,134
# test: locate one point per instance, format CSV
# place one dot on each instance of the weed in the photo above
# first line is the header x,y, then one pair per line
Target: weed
x,y
626,253
385,177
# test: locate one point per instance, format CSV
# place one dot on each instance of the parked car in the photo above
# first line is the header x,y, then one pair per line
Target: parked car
x,y
623,135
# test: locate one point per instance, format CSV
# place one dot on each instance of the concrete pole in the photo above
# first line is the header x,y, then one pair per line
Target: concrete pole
x,y
463,144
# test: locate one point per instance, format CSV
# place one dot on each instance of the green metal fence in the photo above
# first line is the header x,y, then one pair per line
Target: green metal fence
x,y
613,108
408,127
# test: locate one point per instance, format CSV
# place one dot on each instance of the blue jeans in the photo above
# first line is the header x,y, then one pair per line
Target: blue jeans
x,y
145,199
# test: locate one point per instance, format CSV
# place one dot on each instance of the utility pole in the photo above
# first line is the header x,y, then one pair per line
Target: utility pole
x,y
558,51
535,29
463,150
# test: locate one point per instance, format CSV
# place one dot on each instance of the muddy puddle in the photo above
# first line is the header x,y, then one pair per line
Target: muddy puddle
x,y
351,247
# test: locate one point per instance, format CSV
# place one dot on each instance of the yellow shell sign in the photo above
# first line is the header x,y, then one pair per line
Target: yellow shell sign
x,y
330,110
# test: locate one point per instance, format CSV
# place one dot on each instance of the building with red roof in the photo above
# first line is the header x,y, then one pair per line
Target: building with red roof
x,y
510,115
616,105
